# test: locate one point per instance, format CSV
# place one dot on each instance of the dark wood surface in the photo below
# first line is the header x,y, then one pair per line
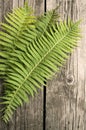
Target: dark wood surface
x,y
66,92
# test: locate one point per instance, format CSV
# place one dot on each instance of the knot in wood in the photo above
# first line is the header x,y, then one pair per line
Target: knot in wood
x,y
70,79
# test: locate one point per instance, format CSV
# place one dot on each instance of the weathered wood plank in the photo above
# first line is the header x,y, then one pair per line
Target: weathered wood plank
x,y
29,116
1,9
66,93
20,3
34,110
15,3
5,6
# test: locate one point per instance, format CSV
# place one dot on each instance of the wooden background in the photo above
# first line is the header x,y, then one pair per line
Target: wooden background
x,y
66,93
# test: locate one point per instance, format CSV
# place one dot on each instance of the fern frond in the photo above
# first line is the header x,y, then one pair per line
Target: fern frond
x,y
28,69
22,26
16,22
41,25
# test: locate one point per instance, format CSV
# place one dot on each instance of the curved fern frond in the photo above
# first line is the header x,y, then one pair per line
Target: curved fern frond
x,y
28,69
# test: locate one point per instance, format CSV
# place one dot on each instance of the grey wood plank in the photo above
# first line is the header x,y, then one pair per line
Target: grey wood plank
x,y
21,3
66,93
1,9
34,109
1,91
30,115
5,7
15,3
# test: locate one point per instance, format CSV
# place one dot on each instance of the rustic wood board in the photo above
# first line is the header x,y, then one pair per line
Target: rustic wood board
x,y
5,6
66,93
30,115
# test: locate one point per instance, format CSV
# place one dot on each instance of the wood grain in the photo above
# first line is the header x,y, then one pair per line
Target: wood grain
x,y
5,6
66,100
66,92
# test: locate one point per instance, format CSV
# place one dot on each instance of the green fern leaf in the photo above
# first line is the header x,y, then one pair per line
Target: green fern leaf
x,y
17,21
19,27
40,60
